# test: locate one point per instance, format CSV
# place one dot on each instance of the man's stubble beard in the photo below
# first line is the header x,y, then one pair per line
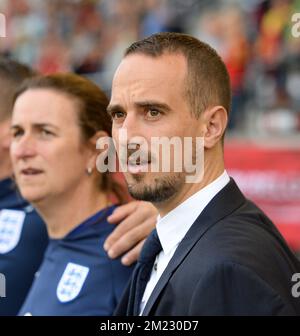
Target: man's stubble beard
x,y
161,188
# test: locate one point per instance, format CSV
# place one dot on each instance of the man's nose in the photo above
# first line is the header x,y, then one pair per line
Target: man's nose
x,y
132,126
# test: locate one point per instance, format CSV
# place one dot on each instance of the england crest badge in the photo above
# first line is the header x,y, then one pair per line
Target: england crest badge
x,y
11,224
71,282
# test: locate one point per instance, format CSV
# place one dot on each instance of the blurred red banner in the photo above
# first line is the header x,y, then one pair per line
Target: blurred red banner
x,y
270,177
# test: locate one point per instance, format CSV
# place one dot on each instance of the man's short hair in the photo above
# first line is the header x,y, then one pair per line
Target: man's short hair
x,y
12,74
207,83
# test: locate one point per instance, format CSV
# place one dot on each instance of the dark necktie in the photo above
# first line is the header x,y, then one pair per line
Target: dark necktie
x,y
142,272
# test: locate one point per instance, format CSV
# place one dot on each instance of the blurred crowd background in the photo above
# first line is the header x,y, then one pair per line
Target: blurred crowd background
x,y
254,37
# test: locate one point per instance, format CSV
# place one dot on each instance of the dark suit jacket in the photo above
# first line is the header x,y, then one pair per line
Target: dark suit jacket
x,y
232,261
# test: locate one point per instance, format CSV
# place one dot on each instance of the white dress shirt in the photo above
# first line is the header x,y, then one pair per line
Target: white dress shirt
x,y
172,228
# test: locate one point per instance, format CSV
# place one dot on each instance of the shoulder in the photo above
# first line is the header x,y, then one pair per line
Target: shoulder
x,y
244,234
229,288
249,239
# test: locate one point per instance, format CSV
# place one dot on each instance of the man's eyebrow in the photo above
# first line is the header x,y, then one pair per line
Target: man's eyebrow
x,y
142,104
153,104
14,126
114,108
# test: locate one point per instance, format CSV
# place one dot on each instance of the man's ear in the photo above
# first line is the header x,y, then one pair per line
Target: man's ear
x,y
215,120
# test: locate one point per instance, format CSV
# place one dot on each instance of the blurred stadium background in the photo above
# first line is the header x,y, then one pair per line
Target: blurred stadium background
x,y
255,39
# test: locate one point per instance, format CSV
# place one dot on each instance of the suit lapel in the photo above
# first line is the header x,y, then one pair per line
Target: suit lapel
x,y
223,204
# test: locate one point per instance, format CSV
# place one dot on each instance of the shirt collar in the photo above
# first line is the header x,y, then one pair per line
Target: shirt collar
x,y
172,228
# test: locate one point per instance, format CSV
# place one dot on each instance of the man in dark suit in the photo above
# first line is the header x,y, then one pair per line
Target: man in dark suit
x,y
213,251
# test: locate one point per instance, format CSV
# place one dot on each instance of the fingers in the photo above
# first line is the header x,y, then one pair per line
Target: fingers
x,y
129,240
128,223
130,231
122,212
132,256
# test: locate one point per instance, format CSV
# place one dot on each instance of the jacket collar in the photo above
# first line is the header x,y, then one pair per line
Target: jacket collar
x,y
224,203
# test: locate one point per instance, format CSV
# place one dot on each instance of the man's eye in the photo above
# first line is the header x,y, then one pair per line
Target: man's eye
x,y
16,134
152,113
118,115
